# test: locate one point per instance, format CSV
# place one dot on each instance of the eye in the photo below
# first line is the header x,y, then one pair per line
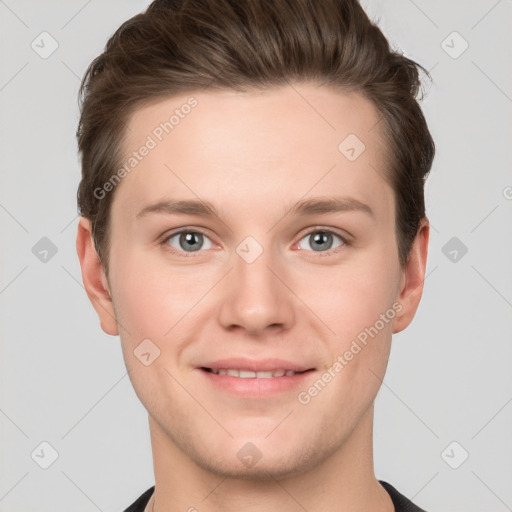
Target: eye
x,y
322,240
187,241
190,241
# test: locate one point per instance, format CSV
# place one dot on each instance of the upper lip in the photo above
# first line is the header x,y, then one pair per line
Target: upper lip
x,y
242,363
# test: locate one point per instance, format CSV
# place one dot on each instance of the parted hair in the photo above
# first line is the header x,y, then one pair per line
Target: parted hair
x,y
180,46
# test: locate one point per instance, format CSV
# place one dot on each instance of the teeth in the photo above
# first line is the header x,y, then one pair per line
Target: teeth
x,y
247,374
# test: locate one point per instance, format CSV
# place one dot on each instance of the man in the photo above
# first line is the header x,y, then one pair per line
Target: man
x,y
253,228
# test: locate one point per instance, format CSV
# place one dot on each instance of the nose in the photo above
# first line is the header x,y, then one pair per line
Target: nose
x,y
256,296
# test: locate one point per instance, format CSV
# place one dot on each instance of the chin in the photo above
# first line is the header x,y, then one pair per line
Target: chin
x,y
259,460
263,471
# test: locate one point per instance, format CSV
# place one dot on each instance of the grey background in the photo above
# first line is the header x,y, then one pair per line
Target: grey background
x,y
63,381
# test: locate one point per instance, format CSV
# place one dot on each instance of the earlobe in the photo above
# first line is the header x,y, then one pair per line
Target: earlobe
x,y
94,279
411,285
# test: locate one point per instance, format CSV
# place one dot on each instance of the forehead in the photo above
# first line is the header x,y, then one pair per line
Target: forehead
x,y
279,144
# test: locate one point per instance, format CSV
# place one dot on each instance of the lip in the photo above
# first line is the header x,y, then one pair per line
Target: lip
x,y
262,365
255,387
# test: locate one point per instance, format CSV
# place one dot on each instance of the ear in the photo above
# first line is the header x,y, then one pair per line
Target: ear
x,y
94,278
413,276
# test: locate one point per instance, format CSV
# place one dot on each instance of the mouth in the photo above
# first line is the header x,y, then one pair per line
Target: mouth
x,y
248,374
255,379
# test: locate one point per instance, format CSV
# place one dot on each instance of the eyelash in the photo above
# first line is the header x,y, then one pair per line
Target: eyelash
x,y
184,254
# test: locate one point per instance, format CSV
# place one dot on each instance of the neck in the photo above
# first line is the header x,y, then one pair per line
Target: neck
x,y
342,482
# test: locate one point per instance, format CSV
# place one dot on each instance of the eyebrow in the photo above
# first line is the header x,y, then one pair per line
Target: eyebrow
x,y
301,208
330,205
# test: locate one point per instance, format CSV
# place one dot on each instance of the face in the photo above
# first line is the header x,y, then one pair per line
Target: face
x,y
255,236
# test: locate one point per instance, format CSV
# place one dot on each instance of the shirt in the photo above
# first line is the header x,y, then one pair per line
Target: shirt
x,y
401,503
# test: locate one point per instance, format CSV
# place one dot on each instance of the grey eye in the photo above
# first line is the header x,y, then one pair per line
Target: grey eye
x,y
189,241
321,241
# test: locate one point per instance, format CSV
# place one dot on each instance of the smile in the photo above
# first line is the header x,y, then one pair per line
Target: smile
x,y
247,374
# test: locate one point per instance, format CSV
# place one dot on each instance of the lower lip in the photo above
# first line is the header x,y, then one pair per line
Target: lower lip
x,y
255,387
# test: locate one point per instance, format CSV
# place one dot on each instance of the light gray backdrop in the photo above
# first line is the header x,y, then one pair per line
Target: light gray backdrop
x,y
444,413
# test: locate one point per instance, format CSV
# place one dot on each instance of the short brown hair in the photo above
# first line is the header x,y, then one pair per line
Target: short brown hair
x,y
178,46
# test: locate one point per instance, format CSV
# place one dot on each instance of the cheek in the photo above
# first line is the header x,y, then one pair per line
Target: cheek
x,y
153,297
358,309
154,303
352,297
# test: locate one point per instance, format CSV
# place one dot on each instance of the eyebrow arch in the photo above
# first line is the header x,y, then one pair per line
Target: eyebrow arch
x,y
329,205
185,207
301,208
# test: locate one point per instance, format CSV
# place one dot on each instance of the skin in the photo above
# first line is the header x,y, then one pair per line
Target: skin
x,y
253,155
